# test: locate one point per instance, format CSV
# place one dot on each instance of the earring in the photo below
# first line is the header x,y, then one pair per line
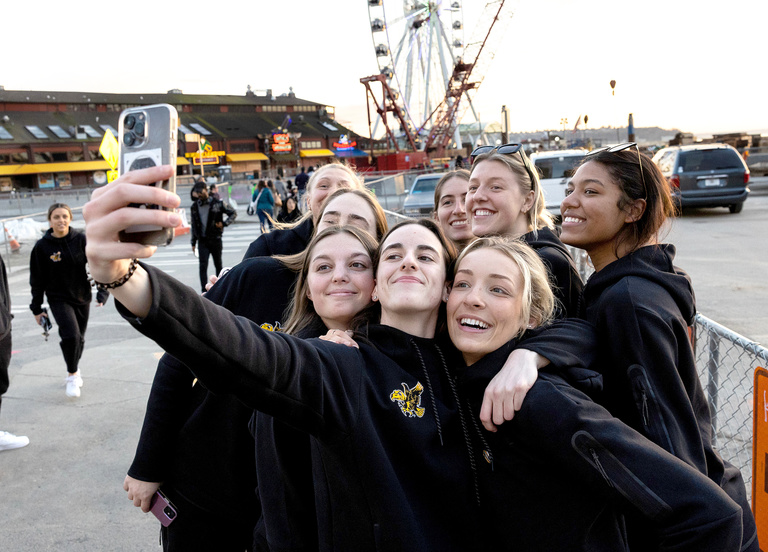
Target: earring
x,y
375,297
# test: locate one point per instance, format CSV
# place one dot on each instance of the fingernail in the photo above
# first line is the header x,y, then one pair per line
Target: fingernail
x,y
175,220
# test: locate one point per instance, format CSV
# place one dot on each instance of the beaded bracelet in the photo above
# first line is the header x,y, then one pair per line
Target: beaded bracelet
x,y
120,281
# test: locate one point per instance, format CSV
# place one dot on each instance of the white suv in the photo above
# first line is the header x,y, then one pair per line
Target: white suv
x,y
555,169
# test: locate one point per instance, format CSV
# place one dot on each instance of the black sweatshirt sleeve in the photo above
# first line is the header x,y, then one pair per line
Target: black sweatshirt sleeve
x,y
313,385
166,413
37,281
566,343
601,454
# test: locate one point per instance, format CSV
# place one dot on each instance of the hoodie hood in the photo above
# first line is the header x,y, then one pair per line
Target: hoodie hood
x,y
544,237
652,263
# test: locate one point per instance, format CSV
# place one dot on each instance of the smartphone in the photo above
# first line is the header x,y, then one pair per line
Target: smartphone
x,y
148,138
163,508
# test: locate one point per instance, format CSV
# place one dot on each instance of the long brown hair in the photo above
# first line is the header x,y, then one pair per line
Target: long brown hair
x,y
301,310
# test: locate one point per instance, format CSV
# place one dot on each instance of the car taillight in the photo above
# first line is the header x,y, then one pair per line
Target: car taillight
x,y
746,177
674,181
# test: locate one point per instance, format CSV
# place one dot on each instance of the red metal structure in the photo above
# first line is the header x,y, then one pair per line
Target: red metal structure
x,y
440,127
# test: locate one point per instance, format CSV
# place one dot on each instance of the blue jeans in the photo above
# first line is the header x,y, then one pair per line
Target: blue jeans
x,y
264,220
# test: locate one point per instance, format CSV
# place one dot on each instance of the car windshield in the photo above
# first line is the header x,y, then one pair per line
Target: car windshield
x,y
425,185
557,167
709,160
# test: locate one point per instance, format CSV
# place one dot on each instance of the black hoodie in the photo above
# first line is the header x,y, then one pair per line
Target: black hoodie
x,y
391,470
184,422
285,241
390,451
567,282
57,269
559,475
642,307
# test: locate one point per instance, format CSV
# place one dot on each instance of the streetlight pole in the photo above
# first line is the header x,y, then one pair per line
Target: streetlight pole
x,y
505,122
190,137
615,110
564,122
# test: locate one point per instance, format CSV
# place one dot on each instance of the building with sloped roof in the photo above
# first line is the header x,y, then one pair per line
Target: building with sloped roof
x,y
51,139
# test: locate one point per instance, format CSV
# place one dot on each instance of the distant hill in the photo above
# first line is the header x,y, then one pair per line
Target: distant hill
x,y
603,135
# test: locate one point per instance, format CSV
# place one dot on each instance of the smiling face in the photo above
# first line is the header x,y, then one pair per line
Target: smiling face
x,y
450,211
325,183
486,304
59,222
592,219
339,280
496,203
348,209
410,280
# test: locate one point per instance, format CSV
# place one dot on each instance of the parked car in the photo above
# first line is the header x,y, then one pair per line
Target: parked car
x,y
705,175
420,200
555,169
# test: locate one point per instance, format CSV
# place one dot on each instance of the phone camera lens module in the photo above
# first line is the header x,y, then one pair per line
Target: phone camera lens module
x,y
139,129
129,121
128,139
169,512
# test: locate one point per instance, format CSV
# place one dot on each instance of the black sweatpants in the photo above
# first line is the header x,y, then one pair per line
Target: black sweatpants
x,y
72,321
5,360
207,247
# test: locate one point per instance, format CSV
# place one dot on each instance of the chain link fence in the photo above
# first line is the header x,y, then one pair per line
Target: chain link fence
x,y
726,363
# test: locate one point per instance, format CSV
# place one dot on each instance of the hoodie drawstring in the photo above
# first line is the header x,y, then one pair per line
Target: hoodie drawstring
x,y
465,431
429,388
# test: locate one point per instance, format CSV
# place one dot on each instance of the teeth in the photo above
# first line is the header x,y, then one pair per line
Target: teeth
x,y
474,323
459,223
483,213
571,219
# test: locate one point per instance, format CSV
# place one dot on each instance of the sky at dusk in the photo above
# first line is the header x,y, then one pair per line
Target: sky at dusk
x,y
695,65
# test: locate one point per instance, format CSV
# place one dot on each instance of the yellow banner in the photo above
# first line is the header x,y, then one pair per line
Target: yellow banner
x,y
109,149
206,154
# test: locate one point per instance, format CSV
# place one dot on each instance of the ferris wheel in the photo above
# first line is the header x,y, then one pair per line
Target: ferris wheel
x,y
417,45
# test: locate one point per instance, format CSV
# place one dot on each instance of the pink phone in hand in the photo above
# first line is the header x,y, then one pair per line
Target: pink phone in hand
x,y
163,509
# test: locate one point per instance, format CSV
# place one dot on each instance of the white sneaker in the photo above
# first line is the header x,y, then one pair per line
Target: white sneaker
x,y
78,380
10,441
73,389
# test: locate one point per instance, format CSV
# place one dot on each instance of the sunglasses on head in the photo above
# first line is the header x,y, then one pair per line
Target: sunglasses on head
x,y
506,149
622,147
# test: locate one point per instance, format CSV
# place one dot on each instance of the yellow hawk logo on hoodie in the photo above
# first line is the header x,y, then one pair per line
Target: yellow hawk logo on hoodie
x,y
409,400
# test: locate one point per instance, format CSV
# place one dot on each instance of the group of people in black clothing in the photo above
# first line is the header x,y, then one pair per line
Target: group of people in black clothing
x,y
368,389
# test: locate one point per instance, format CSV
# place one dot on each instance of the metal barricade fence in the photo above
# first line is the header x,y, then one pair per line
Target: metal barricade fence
x,y
726,363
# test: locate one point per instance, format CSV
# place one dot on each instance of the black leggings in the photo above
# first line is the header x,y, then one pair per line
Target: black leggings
x,y
212,247
72,321
5,360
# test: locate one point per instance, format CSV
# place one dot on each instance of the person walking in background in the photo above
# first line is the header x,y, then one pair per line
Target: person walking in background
x,y
8,441
208,224
289,212
263,202
276,197
301,183
57,269
282,191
